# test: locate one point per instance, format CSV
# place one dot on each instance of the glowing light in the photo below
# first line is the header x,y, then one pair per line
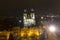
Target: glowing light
x,y
33,17
24,17
52,28
30,33
20,21
22,34
42,17
37,33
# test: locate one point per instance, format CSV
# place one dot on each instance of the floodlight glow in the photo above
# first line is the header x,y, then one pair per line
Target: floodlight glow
x,y
52,28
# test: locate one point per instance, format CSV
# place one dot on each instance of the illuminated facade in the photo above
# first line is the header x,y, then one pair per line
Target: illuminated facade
x,y
29,19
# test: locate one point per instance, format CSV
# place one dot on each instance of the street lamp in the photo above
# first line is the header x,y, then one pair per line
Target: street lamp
x,y
52,28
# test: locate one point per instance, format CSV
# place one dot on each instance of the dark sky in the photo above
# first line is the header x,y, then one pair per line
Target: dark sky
x,y
10,6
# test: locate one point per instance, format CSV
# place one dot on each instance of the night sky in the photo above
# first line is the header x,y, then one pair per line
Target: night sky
x,y
15,7
9,7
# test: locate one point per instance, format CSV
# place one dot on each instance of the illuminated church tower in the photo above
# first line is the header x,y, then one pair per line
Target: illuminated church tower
x,y
29,18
